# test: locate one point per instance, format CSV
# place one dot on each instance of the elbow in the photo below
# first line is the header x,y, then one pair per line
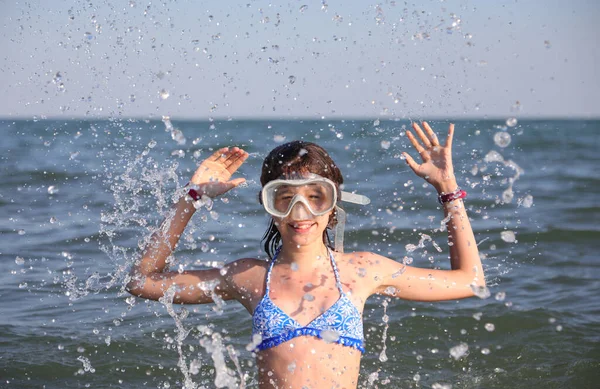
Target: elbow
x,y
135,284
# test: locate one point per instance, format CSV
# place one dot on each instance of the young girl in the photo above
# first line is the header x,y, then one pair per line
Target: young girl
x,y
307,301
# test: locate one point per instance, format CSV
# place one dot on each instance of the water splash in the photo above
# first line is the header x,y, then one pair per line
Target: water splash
x,y
459,351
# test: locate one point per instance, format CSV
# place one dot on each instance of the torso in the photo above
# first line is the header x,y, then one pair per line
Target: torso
x,y
304,294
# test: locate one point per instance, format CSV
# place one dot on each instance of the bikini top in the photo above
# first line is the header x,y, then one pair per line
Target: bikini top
x,y
341,323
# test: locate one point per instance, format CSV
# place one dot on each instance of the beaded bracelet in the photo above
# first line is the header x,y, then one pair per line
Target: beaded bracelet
x,y
193,193
448,197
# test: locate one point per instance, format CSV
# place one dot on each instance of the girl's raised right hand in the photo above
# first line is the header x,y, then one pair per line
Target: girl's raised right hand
x,y
213,176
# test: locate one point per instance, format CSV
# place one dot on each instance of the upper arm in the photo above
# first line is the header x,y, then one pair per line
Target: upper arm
x,y
192,286
419,284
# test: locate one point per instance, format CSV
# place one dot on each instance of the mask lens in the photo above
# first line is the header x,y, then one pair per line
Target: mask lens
x,y
317,195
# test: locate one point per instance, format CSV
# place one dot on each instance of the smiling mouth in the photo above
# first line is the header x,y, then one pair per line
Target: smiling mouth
x,y
301,227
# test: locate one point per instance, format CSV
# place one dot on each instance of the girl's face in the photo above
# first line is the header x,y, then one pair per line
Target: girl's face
x,y
300,227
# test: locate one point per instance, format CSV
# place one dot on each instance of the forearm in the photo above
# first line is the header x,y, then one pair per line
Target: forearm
x,y
163,242
464,255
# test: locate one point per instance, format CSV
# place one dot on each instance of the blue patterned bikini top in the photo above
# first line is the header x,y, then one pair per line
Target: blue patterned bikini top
x,y
341,323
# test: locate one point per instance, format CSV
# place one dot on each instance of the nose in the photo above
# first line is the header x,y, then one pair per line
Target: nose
x,y
300,212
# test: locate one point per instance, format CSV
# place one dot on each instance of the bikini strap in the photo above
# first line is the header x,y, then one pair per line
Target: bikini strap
x,y
338,283
268,281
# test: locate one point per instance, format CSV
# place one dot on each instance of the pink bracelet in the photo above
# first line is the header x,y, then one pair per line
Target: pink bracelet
x,y
448,197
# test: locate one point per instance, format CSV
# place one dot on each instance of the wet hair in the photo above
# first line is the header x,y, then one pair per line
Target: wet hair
x,y
290,160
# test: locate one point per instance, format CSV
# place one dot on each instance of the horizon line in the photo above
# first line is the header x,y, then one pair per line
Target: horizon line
x,y
297,118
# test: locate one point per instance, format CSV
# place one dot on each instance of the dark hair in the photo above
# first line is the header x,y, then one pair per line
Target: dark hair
x,y
291,159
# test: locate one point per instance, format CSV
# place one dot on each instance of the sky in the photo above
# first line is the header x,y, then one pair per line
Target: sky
x,y
299,59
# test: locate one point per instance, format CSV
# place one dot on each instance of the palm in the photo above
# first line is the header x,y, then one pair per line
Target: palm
x,y
214,173
437,159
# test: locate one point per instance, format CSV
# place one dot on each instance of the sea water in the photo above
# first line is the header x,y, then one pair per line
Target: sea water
x,y
79,198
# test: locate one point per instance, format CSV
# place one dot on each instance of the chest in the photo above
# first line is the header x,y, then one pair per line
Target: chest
x,y
306,296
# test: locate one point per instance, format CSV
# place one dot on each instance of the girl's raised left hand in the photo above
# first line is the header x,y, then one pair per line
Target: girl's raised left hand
x,y
437,166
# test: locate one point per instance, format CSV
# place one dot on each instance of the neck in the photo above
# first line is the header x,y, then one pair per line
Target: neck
x,y
303,255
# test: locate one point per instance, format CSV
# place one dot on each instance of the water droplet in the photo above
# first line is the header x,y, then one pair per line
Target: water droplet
x,y
163,94
459,351
23,285
417,377
490,327
178,136
362,272
152,144
57,78
559,328
52,220
485,351
292,79
500,296
502,138
385,144
294,266
527,201
178,153
88,36
303,8
399,272
19,261
511,122
390,290
330,336
508,236
481,291
132,98
547,44
410,247
279,138
292,367
61,347
493,156
52,190
21,232
477,316
308,297
508,195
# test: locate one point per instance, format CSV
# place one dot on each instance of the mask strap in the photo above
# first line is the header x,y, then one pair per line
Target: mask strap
x,y
338,238
354,198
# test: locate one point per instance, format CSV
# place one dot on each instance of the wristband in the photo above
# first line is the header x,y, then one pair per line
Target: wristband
x,y
448,197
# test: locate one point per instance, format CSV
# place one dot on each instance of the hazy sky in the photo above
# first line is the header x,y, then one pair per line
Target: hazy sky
x,y
200,59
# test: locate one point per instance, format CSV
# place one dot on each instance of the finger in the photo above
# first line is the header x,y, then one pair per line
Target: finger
x,y
218,154
411,162
230,156
450,135
237,181
238,161
431,134
417,145
419,132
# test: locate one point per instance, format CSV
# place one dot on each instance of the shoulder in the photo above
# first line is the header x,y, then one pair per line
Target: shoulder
x,y
246,273
247,264
364,259
364,271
